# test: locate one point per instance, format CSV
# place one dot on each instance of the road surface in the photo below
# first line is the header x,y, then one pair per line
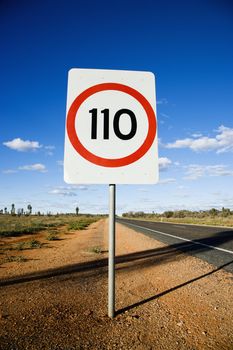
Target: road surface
x,y
212,244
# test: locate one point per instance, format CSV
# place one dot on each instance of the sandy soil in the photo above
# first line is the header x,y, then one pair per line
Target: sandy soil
x,y
165,299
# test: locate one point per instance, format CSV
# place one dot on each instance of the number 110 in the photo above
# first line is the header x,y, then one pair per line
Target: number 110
x,y
116,122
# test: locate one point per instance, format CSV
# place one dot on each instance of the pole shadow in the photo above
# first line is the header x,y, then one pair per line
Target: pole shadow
x,y
142,302
126,262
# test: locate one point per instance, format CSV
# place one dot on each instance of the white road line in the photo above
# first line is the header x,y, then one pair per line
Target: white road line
x,y
183,239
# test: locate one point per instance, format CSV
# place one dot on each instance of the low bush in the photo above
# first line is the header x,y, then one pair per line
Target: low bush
x,y
52,237
19,258
33,244
79,225
96,250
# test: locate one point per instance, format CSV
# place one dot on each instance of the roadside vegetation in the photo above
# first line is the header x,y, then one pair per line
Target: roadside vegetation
x,y
81,224
215,217
32,244
14,225
96,250
38,232
18,258
52,236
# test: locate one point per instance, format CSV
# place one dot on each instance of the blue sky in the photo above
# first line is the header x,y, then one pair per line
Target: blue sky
x,y
189,47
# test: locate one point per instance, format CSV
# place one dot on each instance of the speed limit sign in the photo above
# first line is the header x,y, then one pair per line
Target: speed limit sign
x,y
111,129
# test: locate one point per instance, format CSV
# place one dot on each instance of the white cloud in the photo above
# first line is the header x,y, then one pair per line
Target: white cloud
x,y
67,191
195,171
49,153
9,171
222,142
196,135
82,188
49,150
21,145
163,118
162,101
49,147
166,181
165,115
181,187
34,167
201,144
225,139
63,192
164,163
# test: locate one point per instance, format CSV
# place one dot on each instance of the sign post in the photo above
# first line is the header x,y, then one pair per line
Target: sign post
x,y
111,251
111,137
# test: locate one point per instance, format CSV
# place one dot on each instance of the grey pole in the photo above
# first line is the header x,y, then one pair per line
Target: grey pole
x,y
111,252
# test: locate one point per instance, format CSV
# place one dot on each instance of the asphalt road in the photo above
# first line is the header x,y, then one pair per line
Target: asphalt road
x,y
212,244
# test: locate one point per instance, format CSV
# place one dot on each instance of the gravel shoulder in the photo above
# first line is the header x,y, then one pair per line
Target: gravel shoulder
x,y
165,299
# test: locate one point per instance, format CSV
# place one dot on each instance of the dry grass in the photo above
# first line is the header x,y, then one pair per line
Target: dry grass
x,y
11,226
37,231
208,220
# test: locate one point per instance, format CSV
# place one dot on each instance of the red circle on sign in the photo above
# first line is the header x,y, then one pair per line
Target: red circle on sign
x,y
108,162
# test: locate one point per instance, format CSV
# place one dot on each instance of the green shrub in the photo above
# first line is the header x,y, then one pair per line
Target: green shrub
x,y
52,237
14,226
96,250
20,246
78,225
11,258
33,244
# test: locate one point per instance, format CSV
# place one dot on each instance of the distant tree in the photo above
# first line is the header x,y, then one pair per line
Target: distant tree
x,y
77,210
213,212
225,212
168,214
12,209
1,211
29,207
179,214
20,211
5,210
139,214
201,214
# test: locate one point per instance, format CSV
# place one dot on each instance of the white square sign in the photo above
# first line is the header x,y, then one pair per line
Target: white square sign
x,y
111,128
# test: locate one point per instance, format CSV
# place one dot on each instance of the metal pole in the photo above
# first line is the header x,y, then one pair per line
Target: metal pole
x,y
111,252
